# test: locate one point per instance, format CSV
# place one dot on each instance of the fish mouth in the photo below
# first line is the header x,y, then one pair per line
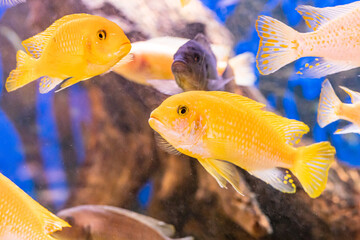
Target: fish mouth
x,y
124,49
180,67
155,123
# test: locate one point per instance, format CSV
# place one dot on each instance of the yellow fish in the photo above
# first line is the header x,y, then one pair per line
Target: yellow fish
x,y
334,41
332,109
74,48
223,130
22,218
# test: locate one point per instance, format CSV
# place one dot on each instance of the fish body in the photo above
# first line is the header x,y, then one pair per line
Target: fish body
x,y
224,130
74,48
334,41
99,222
152,59
194,68
22,218
332,109
194,65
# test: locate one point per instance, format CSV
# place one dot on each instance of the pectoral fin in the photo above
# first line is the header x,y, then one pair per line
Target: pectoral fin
x,y
168,87
47,84
222,171
279,179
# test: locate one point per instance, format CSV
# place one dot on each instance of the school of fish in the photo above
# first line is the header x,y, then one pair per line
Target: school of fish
x,y
221,130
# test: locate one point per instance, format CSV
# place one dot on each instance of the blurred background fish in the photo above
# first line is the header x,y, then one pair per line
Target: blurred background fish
x,y
334,41
157,61
97,222
194,68
332,109
223,130
74,48
152,59
22,218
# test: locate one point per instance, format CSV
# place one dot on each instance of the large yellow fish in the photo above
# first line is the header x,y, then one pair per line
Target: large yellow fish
x,y
334,41
223,129
332,109
74,48
22,218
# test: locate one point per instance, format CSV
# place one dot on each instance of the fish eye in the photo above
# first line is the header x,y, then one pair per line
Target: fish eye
x,y
101,34
182,110
196,57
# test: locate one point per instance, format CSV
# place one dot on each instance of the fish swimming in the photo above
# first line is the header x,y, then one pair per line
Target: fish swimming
x,y
194,68
22,218
334,41
332,109
98,222
10,3
74,48
152,59
223,130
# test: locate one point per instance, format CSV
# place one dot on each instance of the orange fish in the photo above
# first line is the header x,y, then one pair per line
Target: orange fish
x,y
22,218
223,130
332,109
334,41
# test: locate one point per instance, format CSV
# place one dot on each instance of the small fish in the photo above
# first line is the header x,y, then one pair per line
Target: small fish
x,y
334,41
152,59
99,222
223,130
194,68
332,109
10,3
74,48
22,218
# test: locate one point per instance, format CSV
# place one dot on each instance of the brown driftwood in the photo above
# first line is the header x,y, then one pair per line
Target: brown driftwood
x,y
122,155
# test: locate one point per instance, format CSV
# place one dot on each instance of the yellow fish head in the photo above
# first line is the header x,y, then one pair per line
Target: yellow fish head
x,y
107,42
178,120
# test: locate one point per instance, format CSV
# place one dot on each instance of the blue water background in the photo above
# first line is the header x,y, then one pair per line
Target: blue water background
x,y
12,155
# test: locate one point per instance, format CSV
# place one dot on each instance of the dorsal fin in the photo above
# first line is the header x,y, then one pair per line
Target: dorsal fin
x,y
355,96
203,41
315,17
235,98
36,44
291,130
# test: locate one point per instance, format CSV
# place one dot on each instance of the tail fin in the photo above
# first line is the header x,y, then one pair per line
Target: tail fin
x,y
312,165
243,69
328,105
278,45
23,74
